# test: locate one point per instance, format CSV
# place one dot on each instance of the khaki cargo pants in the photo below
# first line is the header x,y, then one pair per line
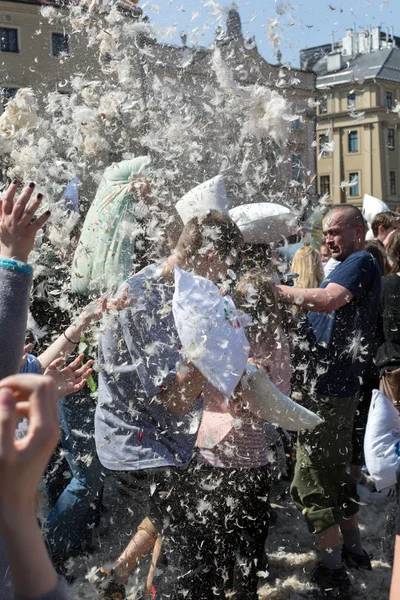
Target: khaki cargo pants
x,y
321,488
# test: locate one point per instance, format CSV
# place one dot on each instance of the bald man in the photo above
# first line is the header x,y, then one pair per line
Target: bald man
x,y
342,314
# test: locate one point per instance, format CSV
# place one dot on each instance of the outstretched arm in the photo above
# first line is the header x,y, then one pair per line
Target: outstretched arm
x,y
327,299
67,342
17,236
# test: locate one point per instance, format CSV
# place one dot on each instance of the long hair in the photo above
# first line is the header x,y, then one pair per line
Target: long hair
x,y
307,264
393,250
255,295
377,249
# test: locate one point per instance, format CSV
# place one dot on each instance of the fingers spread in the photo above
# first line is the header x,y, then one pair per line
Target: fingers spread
x,y
77,362
27,214
8,198
40,221
20,204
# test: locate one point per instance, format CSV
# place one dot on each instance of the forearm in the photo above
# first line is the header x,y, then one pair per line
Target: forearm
x,y
314,299
14,303
32,572
64,345
184,390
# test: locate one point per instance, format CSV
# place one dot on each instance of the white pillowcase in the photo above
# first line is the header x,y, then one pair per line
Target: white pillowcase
x,y
209,330
210,195
264,222
267,402
381,436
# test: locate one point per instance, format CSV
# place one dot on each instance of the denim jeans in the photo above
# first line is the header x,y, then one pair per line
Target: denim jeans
x,y
70,523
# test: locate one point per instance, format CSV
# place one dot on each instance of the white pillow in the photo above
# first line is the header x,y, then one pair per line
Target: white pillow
x,y
267,402
210,195
209,330
381,436
264,222
372,206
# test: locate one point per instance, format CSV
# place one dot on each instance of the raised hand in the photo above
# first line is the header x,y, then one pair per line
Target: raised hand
x,y
17,230
70,379
97,308
23,461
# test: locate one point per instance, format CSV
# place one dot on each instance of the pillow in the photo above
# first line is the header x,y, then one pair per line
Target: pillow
x,y
267,402
264,222
103,257
209,330
210,195
381,437
372,206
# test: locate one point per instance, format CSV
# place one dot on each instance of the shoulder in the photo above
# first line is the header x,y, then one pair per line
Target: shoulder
x,y
362,265
360,259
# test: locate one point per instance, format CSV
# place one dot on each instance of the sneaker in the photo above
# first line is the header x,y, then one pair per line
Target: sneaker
x,y
109,586
334,584
370,495
357,561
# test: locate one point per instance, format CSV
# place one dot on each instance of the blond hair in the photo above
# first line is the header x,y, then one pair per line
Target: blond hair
x,y
307,264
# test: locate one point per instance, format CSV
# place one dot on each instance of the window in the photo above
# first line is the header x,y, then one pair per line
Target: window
x,y
392,183
7,94
297,168
351,100
391,144
389,100
355,188
8,40
296,124
59,44
353,141
322,141
323,105
325,185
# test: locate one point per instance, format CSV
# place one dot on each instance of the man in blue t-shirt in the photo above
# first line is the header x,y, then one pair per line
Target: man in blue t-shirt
x,y
342,313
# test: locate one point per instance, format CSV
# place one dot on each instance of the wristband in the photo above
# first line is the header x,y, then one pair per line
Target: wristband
x,y
16,265
70,341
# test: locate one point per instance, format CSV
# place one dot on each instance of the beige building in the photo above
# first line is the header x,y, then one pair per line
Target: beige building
x,y
358,141
43,55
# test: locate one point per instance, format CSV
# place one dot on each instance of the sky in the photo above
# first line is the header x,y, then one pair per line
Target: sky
x,y
300,24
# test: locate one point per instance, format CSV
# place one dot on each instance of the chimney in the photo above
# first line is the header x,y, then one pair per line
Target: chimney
x,y
334,61
348,44
376,38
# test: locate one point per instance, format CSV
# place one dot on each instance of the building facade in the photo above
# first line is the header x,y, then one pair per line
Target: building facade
x,y
358,142
42,53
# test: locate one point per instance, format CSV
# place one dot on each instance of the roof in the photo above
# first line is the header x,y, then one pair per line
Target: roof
x,y
378,64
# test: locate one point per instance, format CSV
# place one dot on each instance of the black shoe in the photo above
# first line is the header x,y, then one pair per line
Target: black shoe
x,y
357,561
109,586
334,584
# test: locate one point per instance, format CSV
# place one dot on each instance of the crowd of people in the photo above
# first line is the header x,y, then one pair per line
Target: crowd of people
x,y
145,420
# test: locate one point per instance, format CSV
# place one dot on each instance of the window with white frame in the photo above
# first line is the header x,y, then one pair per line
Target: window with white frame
x,y
354,179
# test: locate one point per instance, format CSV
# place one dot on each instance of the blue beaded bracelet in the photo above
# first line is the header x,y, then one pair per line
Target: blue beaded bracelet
x,y
16,265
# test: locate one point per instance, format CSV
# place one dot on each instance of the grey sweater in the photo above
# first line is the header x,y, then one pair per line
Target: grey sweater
x,y
14,304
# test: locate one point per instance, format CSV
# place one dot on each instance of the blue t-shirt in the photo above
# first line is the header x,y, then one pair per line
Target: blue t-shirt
x,y
346,335
32,365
